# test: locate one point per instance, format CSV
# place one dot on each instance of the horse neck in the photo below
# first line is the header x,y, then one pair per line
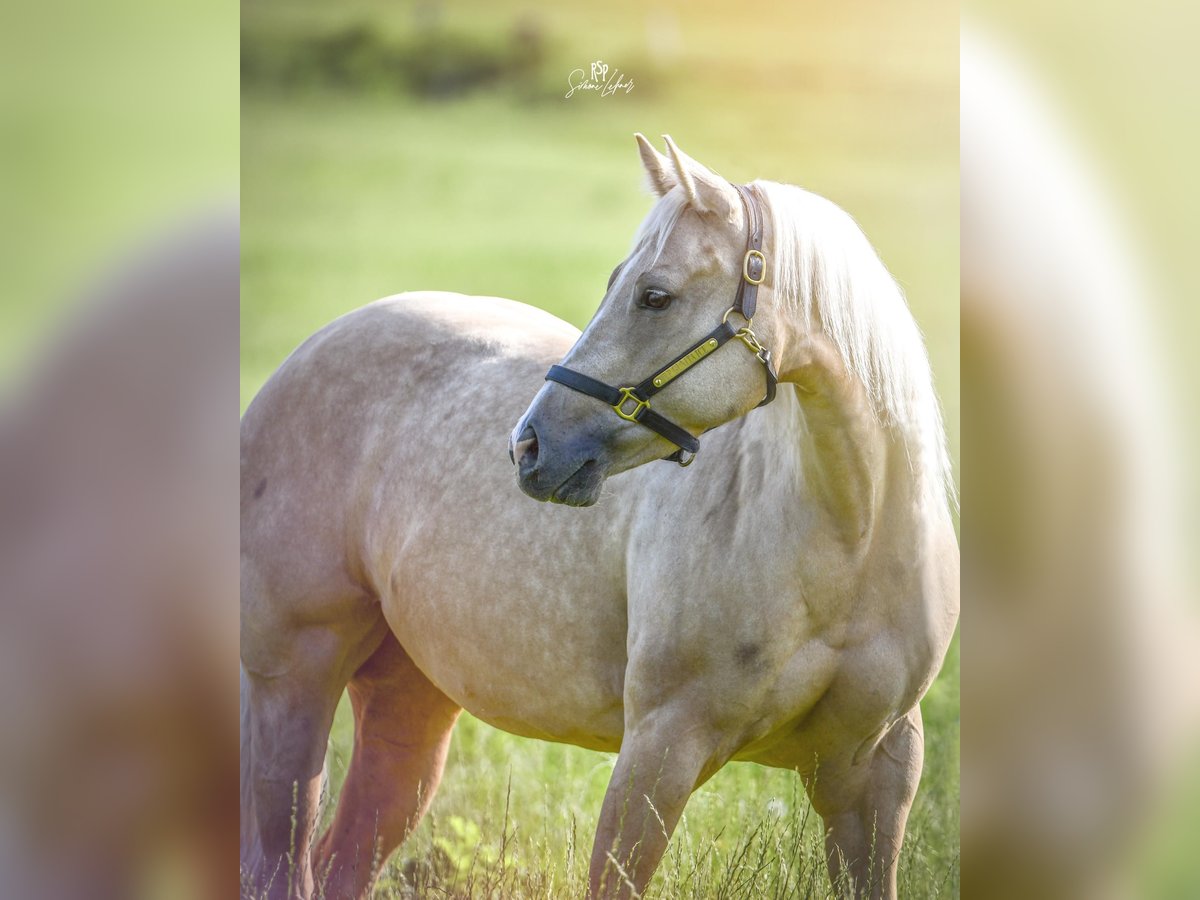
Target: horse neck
x,y
857,469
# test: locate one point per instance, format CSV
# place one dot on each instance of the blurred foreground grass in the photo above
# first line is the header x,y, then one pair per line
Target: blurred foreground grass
x,y
347,197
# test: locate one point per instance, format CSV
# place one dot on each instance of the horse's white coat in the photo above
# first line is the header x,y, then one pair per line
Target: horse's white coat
x,y
787,599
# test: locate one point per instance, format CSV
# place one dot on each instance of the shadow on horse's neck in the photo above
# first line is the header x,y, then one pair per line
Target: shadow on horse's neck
x,y
854,466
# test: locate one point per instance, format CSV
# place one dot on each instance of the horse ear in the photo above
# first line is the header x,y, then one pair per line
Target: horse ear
x,y
659,177
706,190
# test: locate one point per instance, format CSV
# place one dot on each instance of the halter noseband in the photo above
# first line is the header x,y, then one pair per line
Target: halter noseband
x,y
633,403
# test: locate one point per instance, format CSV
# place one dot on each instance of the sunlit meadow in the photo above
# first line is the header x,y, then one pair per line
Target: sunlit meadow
x,y
367,171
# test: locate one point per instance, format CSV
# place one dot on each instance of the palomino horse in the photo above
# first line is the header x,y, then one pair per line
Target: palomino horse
x,y
786,599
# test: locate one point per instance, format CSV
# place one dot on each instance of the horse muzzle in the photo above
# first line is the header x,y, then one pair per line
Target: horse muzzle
x,y
558,469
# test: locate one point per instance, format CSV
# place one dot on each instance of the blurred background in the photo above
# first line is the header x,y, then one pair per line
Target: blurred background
x,y
398,146
117,123
118,449
1082,683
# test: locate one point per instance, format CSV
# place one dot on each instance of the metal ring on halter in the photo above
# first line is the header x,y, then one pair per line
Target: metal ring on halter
x,y
734,309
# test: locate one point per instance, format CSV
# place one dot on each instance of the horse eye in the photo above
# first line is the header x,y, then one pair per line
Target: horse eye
x,y
655,299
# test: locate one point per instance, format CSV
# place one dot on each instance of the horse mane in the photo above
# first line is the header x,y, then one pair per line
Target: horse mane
x,y
825,269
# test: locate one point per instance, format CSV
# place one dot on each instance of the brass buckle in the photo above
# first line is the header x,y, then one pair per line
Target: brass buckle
x,y
746,267
627,394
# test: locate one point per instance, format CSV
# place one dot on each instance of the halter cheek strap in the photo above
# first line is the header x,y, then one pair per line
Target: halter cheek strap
x,y
633,403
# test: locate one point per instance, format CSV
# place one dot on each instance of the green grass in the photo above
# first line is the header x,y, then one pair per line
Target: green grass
x,y
347,198
747,833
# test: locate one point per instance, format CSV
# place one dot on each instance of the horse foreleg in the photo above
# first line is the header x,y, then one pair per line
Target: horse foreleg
x,y
662,760
402,734
863,838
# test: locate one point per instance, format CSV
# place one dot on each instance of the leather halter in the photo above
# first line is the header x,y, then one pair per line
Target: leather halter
x,y
632,403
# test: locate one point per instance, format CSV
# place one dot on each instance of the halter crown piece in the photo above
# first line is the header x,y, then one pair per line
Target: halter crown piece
x,y
632,403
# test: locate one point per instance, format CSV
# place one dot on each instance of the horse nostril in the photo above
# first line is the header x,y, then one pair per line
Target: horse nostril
x,y
525,451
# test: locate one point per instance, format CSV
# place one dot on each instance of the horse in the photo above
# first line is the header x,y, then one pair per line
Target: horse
x,y
784,595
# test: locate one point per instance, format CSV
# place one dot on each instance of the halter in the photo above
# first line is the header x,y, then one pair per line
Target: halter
x,y
633,403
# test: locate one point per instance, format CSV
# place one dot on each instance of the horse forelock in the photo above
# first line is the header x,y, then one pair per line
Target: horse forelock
x,y
656,228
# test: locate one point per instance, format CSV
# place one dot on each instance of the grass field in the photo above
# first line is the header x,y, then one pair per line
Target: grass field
x,y
352,195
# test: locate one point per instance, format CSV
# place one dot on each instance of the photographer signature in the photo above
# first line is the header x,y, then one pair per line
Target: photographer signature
x,y
598,79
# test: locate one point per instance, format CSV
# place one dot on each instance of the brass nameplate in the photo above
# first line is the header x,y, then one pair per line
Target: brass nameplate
x,y
684,363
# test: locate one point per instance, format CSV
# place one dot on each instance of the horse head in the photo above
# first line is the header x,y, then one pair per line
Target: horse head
x,y
689,285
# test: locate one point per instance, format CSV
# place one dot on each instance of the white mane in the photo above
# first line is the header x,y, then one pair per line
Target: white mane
x,y
826,270
825,267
